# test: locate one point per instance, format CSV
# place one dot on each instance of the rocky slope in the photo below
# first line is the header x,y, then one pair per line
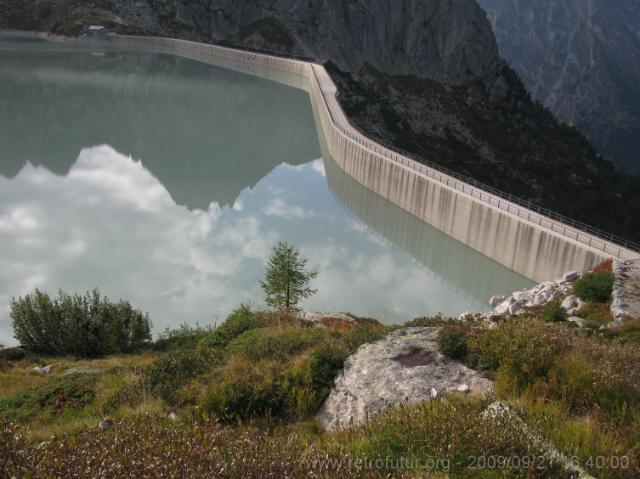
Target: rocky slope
x,y
626,290
582,60
422,74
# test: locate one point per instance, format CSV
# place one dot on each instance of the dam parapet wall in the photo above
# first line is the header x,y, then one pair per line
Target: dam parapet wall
x,y
521,238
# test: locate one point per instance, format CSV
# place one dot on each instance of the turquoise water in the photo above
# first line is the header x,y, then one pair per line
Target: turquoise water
x,y
166,182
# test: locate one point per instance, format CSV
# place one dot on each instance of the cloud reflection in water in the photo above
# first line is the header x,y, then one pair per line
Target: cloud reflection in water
x,y
109,223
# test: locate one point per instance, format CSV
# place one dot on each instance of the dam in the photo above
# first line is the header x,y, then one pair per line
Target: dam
x,y
536,244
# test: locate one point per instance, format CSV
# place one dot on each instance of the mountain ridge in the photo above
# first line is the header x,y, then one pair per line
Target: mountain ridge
x,y
582,60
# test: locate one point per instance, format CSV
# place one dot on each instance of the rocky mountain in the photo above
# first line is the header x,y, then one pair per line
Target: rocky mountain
x,y
445,40
424,75
581,58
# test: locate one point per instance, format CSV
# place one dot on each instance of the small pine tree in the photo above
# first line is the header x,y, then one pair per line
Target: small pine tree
x,y
286,282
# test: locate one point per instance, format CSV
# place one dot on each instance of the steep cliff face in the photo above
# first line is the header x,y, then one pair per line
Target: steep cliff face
x,y
581,58
445,40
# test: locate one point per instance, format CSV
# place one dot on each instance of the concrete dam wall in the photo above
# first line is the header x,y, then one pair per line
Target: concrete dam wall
x,y
523,240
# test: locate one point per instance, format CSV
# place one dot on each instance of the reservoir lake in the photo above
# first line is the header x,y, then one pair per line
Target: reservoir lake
x,y
166,182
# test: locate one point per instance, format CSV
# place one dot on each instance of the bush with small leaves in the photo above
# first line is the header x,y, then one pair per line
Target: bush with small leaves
x,y
595,286
452,341
87,326
554,312
240,320
166,374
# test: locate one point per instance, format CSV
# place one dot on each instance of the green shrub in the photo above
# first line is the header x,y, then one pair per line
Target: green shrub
x,y
87,326
355,338
274,343
595,286
249,391
325,363
523,350
424,321
51,399
184,336
170,371
12,354
240,320
554,312
452,341
583,385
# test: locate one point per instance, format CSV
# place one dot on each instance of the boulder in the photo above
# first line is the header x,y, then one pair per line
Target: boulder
x,y
540,299
496,299
572,304
463,388
105,424
403,367
570,276
173,417
580,322
323,320
520,295
43,370
503,308
516,307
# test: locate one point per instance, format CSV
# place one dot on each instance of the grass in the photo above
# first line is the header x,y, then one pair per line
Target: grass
x,y
246,394
581,390
440,438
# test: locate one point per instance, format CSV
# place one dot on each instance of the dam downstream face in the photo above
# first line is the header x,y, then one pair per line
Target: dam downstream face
x,y
166,182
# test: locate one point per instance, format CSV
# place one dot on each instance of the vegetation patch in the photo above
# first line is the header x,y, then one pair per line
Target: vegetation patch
x,y
595,286
86,326
593,381
553,312
57,397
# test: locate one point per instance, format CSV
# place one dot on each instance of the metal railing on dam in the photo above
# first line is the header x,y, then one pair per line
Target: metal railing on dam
x,y
535,242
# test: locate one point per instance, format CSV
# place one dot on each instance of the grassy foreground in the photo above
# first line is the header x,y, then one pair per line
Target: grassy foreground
x,y
244,396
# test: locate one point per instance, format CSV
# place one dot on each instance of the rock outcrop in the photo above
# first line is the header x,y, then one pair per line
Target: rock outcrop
x,y
538,296
403,367
582,60
330,320
626,290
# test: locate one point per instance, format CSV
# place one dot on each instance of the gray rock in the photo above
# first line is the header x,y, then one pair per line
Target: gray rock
x,y
572,304
570,276
81,370
580,322
463,388
504,307
496,299
408,37
540,299
520,295
626,290
568,53
516,307
105,424
173,417
317,317
403,367
43,370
